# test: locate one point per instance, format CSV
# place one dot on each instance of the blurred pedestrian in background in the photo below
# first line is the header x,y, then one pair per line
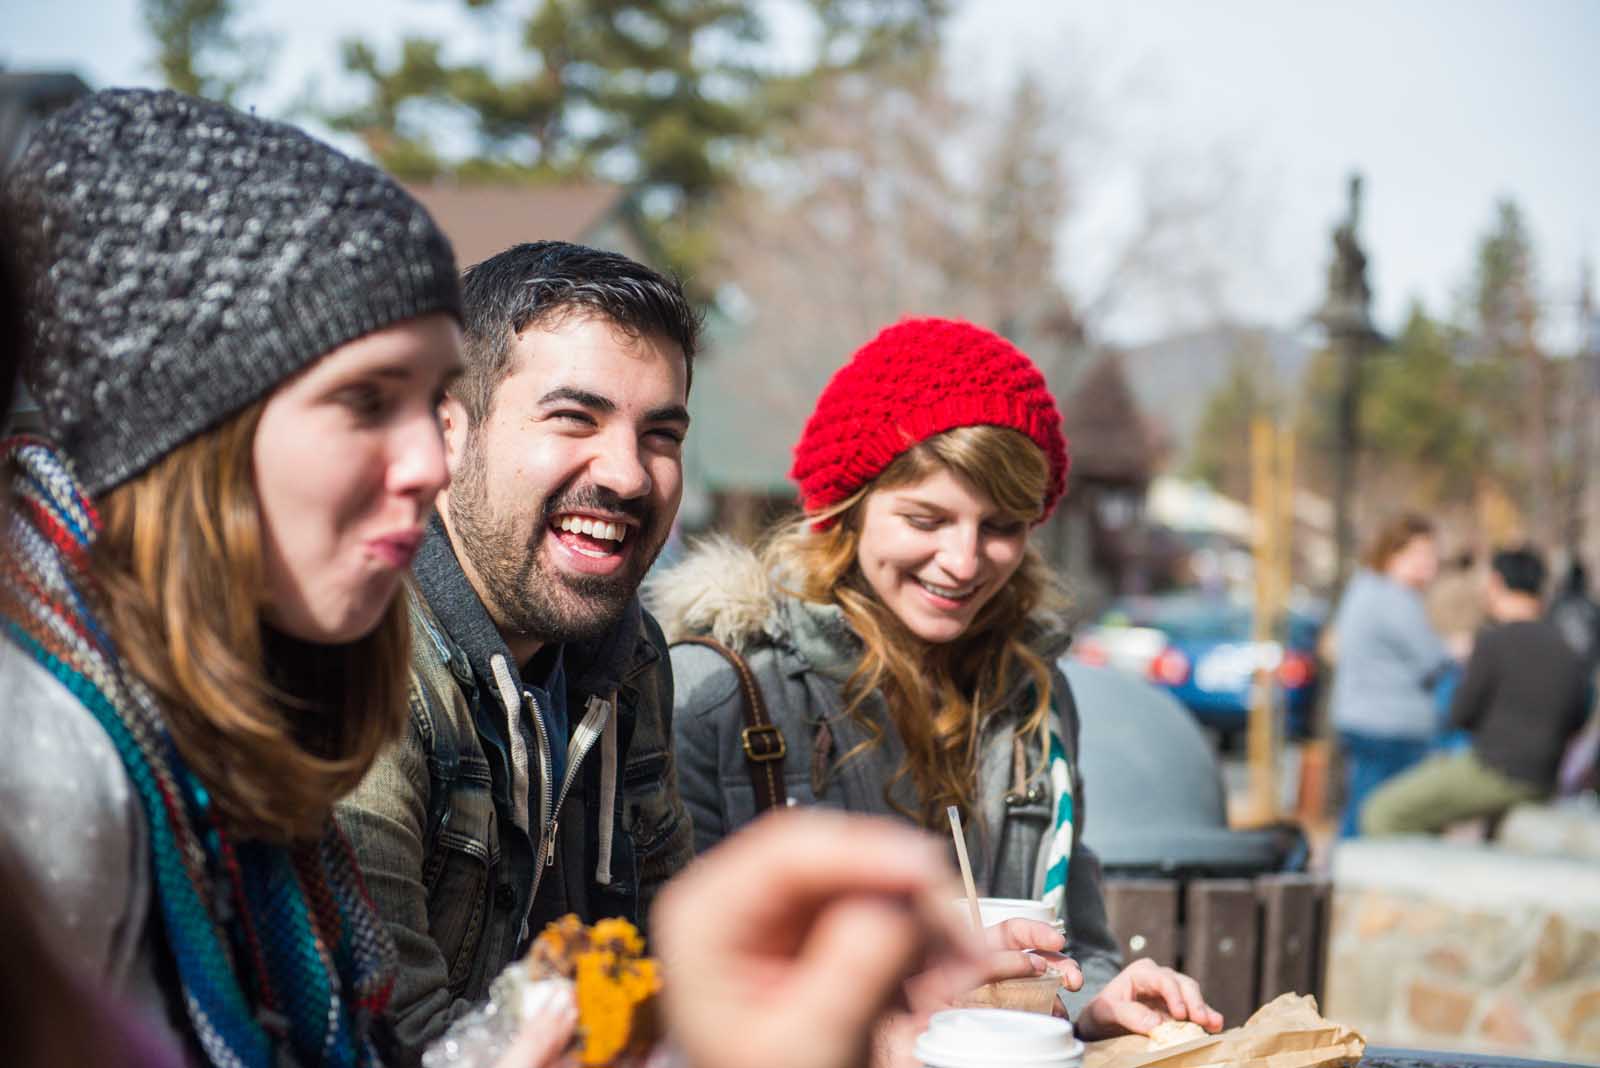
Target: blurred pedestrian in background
x,y
1455,602
1524,694
1577,617
1389,658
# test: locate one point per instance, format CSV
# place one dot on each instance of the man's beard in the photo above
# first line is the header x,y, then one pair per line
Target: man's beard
x,y
524,593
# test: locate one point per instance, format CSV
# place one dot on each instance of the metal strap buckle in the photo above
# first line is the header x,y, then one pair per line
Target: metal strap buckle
x,y
773,749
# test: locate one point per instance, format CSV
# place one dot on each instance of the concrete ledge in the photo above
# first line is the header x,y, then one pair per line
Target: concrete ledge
x,y
1440,945
1471,876
1569,828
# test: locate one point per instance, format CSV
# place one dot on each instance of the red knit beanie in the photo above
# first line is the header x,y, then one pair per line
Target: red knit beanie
x,y
914,380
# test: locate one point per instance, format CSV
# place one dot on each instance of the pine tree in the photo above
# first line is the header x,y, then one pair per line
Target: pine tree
x,y
661,95
200,51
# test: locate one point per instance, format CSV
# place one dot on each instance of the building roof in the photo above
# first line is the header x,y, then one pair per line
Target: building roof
x,y
1108,438
481,220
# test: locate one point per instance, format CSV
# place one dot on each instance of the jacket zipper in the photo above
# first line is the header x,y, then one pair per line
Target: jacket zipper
x,y
549,802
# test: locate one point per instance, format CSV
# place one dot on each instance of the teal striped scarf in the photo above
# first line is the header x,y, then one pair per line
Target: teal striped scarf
x,y
1058,849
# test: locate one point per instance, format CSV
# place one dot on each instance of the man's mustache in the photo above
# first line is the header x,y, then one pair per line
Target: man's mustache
x,y
598,499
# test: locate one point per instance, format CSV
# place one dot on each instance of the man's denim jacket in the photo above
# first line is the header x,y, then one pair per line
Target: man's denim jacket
x,y
448,826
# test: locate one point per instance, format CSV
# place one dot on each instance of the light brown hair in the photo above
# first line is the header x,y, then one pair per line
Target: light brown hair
x,y
276,729
938,696
1394,536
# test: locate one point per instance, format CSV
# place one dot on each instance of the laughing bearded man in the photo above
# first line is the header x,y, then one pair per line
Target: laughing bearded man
x,y
535,777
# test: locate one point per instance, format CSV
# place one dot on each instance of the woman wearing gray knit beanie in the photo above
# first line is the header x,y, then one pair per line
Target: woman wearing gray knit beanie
x,y
239,337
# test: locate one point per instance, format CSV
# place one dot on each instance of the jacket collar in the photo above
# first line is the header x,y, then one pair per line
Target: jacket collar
x,y
599,665
819,634
721,588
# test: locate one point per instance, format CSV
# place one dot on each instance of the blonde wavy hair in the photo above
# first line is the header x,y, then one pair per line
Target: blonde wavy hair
x,y
938,696
276,729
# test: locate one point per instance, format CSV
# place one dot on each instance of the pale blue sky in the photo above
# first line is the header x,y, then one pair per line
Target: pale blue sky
x,y
1445,105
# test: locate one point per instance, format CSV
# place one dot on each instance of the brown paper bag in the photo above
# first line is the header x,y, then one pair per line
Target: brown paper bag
x,y
1286,1033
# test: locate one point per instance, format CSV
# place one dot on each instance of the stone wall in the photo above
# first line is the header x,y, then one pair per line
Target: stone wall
x,y
1439,945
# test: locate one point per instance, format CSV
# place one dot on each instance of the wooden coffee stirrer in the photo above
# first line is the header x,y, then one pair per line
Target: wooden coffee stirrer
x,y
966,867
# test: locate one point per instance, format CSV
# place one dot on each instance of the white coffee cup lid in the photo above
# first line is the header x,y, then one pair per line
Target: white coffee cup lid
x,y
997,1038
995,910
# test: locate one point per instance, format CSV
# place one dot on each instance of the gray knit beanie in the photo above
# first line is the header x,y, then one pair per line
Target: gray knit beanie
x,y
189,258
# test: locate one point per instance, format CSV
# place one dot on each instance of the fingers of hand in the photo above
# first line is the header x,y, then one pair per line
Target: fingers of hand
x,y
1066,967
764,884
1145,980
542,1038
1136,1017
1024,934
1199,1011
859,953
1013,964
1170,991
951,939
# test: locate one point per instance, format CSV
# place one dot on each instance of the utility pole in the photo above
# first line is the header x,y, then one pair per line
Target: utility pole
x,y
1272,502
1583,418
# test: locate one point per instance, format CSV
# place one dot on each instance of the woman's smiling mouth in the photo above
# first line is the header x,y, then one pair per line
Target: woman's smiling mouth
x,y
955,595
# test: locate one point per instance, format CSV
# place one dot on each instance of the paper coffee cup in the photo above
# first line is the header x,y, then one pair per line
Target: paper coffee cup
x,y
997,1038
993,910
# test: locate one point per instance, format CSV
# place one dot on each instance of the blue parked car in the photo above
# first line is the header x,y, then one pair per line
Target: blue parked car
x,y
1199,647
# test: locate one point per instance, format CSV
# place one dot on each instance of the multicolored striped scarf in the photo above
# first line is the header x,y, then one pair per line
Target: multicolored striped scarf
x,y
1058,848
280,957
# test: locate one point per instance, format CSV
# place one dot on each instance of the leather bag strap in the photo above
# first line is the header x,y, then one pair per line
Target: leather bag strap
x,y
762,740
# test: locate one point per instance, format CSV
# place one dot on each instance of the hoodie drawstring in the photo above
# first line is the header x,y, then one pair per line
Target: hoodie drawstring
x,y
512,702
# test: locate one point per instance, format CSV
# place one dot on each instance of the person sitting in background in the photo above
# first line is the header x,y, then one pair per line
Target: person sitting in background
x,y
1577,617
1523,696
1388,660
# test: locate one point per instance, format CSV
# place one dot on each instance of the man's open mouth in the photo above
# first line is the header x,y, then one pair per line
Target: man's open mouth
x,y
593,536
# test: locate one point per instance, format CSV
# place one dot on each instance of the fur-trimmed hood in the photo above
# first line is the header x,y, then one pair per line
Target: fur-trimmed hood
x,y
721,589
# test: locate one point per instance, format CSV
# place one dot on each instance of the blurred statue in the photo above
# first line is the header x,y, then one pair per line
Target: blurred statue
x,y
1345,307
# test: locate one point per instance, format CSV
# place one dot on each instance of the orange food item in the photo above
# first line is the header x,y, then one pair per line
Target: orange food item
x,y
616,985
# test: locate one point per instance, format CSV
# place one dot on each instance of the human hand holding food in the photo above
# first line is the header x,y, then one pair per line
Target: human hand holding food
x,y
542,1038
784,945
1142,997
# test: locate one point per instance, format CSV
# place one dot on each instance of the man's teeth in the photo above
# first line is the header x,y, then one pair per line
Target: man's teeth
x,y
595,528
947,592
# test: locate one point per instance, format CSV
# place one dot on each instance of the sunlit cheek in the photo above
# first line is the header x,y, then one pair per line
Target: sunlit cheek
x,y
666,480
1005,557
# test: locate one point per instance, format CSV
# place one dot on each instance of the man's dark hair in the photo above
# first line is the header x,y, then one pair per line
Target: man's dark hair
x,y
1520,569
538,284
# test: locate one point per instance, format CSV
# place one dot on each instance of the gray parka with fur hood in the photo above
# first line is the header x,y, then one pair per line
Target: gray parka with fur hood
x,y
801,654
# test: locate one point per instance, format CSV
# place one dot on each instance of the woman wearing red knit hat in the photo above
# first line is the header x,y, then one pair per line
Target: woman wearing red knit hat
x,y
893,649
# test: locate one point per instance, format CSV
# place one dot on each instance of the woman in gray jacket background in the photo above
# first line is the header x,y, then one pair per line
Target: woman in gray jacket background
x,y
903,636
